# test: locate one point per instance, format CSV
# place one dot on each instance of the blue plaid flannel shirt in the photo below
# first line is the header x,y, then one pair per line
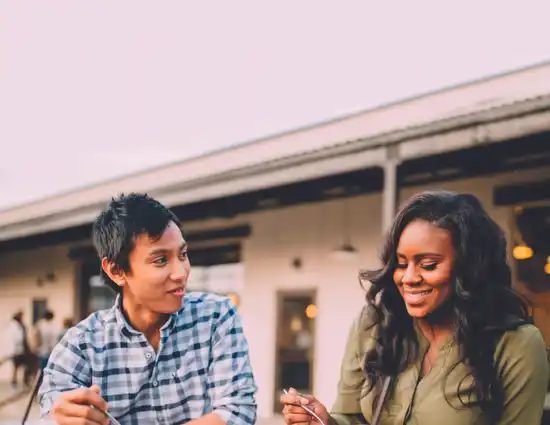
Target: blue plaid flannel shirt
x,y
202,365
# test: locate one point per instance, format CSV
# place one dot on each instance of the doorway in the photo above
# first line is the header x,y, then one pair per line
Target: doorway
x,y
39,308
295,343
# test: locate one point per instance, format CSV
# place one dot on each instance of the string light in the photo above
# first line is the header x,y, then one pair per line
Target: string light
x,y
522,252
311,311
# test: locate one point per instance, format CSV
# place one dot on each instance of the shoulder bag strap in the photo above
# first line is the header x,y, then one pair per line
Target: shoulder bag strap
x,y
382,400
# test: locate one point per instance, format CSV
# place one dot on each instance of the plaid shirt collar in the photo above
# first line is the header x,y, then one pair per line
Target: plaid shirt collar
x,y
116,315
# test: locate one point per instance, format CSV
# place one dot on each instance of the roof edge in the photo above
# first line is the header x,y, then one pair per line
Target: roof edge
x,y
291,131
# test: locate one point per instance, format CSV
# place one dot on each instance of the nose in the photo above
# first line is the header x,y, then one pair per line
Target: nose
x,y
411,276
180,271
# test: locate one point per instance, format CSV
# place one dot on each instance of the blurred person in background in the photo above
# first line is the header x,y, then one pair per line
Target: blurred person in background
x,y
45,337
19,349
442,329
68,323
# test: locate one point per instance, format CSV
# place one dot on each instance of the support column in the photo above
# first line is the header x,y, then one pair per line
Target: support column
x,y
390,194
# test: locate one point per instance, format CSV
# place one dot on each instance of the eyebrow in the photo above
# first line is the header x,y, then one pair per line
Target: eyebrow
x,y
164,250
421,255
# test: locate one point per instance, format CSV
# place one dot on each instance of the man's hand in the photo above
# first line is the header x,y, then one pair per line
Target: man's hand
x,y
77,407
295,415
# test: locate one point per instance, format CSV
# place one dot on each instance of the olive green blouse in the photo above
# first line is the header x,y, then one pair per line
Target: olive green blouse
x,y
522,365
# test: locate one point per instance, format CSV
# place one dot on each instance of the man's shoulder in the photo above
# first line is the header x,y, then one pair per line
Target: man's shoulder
x,y
205,306
206,300
96,324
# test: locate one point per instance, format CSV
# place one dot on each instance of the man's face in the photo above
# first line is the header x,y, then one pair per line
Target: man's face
x,y
158,272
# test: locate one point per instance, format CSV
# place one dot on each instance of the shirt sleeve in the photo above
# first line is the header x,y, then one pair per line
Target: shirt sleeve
x,y
231,385
67,369
347,409
523,366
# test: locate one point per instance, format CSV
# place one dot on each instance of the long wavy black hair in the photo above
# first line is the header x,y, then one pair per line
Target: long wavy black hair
x,y
482,304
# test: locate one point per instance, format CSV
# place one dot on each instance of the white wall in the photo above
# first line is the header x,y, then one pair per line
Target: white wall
x,y
309,232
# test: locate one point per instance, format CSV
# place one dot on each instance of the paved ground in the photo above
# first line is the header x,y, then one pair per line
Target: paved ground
x,y
13,403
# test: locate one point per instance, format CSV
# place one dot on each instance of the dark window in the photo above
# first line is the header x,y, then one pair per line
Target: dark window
x,y
39,307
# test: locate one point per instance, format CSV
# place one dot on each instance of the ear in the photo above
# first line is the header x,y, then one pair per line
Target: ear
x,y
115,273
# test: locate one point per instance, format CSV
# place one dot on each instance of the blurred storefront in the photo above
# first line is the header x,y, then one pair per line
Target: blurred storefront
x,y
531,233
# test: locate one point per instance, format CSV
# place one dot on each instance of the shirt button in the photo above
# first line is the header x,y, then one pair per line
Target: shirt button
x,y
148,356
156,383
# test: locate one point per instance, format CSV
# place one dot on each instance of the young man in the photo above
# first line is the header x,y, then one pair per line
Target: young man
x,y
158,356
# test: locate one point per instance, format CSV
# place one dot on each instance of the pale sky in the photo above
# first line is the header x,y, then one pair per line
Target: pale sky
x,y
94,90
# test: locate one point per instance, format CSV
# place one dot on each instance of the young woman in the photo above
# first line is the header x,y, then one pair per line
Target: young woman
x,y
442,321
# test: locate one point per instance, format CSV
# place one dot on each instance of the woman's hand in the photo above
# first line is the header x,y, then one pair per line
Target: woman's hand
x,y
294,414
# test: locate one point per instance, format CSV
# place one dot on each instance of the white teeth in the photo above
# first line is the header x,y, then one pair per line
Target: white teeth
x,y
417,294
177,290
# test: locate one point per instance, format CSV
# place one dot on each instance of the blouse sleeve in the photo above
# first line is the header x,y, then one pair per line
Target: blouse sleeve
x,y
523,367
347,409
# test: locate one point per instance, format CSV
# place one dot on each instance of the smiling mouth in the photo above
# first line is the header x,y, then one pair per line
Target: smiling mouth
x,y
419,293
416,297
177,291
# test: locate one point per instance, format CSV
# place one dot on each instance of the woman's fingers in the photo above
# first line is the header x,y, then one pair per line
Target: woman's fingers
x,y
297,418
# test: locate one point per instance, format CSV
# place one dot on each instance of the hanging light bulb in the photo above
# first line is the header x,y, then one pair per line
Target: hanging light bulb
x,y
522,252
346,251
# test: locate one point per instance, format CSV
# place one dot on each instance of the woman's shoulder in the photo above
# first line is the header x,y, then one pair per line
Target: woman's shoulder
x,y
524,333
364,328
363,320
521,347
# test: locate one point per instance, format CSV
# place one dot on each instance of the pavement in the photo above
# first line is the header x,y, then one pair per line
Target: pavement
x,y
13,403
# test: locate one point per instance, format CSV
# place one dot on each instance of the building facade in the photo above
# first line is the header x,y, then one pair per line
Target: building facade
x,y
284,224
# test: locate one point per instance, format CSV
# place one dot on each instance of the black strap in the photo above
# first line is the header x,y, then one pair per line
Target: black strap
x,y
37,384
381,400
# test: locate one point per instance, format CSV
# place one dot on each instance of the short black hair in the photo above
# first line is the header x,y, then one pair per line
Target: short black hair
x,y
126,217
48,315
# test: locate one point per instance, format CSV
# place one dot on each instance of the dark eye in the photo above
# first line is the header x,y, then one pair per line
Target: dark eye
x,y
429,267
401,266
183,255
160,261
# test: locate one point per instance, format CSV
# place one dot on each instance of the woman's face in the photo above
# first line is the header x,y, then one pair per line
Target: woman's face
x,y
425,257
